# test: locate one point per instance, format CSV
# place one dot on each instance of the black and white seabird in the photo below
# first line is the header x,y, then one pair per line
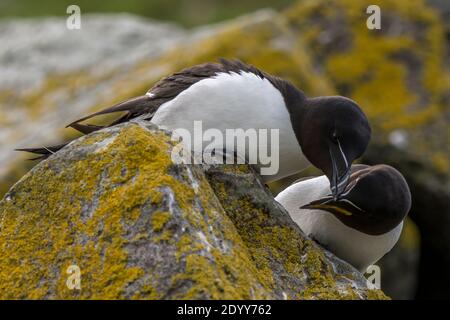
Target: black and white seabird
x,y
363,224
329,132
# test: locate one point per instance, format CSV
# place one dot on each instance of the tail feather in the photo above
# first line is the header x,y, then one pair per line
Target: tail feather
x,y
133,106
86,128
44,152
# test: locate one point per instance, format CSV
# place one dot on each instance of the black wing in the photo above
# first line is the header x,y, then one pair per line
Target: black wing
x,y
164,90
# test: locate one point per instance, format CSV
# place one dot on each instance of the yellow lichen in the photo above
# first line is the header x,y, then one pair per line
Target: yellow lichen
x,y
266,242
159,219
397,75
60,199
56,198
83,210
367,69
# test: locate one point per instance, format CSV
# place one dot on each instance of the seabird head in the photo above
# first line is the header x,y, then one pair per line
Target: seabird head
x,y
333,133
374,202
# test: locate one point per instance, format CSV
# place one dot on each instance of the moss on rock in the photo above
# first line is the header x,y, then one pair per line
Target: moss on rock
x,y
398,74
140,227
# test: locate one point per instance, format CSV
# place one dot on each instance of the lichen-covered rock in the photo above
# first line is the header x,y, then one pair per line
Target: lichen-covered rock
x,y
41,112
140,227
399,75
67,73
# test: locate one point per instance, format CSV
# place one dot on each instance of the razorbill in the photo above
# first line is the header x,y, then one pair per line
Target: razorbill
x,y
363,224
329,132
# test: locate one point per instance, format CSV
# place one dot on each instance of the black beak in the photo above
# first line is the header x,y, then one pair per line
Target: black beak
x,y
340,170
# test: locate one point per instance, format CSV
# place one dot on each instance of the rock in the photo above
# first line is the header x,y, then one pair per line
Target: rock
x,y
141,53
321,46
442,7
56,74
140,227
47,52
400,76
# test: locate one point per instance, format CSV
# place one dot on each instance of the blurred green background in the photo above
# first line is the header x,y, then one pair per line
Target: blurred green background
x,y
188,13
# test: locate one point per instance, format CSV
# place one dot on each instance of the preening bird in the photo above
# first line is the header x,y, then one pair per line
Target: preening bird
x,y
329,132
363,223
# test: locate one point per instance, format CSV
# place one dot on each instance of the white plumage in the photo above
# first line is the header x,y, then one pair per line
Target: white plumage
x,y
359,249
236,100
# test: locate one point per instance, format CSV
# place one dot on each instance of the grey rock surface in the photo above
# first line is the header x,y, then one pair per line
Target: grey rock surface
x,y
33,49
139,226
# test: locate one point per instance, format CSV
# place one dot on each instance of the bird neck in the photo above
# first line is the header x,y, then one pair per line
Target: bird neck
x,y
298,110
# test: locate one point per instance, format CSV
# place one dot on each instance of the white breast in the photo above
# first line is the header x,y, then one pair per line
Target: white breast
x,y
359,249
231,101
